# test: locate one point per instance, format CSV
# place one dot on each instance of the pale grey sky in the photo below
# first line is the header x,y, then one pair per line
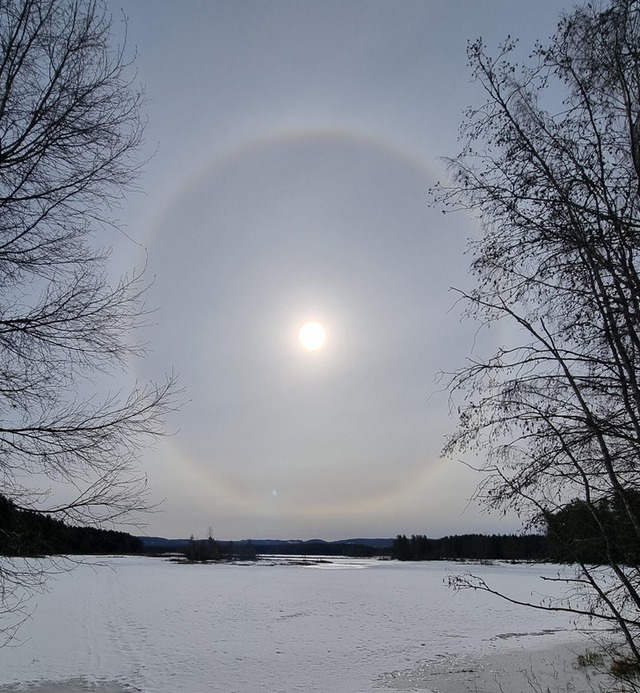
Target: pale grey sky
x,y
296,142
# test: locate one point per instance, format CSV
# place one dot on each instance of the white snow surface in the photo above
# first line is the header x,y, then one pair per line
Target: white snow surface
x,y
147,624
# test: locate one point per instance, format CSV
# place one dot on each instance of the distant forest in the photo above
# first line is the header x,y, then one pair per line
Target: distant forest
x,y
27,533
508,547
573,535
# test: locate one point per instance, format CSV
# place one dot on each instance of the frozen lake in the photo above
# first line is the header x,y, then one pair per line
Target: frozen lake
x,y
146,624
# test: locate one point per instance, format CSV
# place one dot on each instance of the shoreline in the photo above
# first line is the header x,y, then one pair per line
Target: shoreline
x,y
553,669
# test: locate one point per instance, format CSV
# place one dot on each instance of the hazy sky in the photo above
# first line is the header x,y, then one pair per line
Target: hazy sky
x,y
295,142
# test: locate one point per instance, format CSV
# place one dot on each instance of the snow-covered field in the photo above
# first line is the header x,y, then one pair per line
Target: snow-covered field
x,y
348,626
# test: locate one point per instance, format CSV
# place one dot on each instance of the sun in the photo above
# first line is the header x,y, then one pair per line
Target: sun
x,y
312,336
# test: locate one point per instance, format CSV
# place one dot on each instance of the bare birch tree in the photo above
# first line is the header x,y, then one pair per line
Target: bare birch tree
x,y
70,128
551,169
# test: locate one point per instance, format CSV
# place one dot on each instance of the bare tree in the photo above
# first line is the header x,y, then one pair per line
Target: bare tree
x,y
551,168
70,127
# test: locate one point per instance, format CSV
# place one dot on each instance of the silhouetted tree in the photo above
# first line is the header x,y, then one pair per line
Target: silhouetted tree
x,y
201,550
69,128
554,184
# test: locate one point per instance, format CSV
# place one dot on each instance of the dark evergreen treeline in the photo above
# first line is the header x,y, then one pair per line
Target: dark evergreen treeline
x,y
310,548
203,549
480,547
27,533
596,532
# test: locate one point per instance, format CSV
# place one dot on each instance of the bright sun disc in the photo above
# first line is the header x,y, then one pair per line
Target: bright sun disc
x,y
312,335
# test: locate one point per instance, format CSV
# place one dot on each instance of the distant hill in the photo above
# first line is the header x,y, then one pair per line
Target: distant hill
x,y
270,546
374,543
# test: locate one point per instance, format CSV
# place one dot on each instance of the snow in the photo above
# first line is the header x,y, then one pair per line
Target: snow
x,y
345,626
